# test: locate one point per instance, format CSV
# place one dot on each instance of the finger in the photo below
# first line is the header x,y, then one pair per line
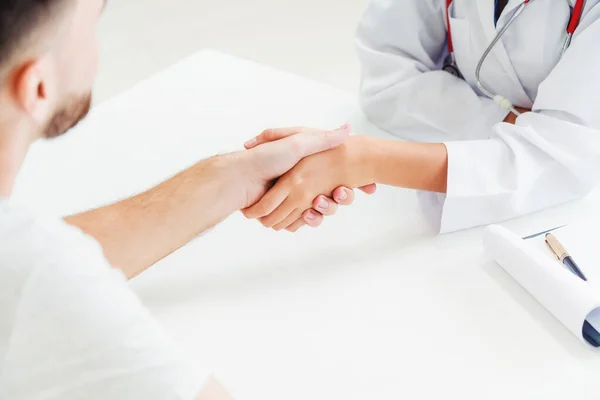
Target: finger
x,y
289,220
312,218
269,203
269,135
325,205
296,225
343,196
280,213
369,189
307,144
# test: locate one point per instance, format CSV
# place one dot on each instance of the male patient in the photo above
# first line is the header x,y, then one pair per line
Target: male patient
x,y
69,326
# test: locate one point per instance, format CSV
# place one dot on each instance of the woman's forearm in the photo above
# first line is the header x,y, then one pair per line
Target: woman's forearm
x,y
420,166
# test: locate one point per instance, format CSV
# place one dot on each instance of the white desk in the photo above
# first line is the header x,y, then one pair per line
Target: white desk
x,y
371,306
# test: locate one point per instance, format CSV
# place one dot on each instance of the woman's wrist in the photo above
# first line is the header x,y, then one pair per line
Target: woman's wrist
x,y
421,166
364,160
375,159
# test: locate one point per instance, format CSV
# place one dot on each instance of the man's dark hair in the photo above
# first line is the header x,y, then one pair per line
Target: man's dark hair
x,y
19,19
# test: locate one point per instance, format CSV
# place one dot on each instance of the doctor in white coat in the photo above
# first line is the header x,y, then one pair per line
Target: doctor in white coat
x,y
495,170
494,166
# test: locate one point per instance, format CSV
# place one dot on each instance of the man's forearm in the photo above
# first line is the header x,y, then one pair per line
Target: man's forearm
x,y
421,166
137,232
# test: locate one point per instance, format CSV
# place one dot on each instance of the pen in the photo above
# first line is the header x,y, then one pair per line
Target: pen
x,y
589,333
563,256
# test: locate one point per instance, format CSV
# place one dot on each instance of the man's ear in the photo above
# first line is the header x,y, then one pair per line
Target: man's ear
x,y
31,91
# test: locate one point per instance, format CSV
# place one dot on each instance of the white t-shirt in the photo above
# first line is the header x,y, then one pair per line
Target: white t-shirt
x,y
70,327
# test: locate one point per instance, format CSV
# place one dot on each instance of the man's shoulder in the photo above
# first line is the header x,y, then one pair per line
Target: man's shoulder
x,y
21,238
32,248
28,240
73,315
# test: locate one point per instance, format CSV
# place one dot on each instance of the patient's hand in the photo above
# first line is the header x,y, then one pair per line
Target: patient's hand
x,y
316,175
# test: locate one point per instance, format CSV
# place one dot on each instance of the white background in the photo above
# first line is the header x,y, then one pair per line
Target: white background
x,y
369,306
346,312
312,38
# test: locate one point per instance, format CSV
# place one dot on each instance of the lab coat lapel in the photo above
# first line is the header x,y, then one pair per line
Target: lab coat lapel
x,y
508,10
486,18
512,4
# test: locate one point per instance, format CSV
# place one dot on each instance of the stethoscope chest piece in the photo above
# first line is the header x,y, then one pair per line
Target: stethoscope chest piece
x,y
451,67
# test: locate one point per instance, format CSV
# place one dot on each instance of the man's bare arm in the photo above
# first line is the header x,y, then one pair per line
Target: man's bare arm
x,y
137,232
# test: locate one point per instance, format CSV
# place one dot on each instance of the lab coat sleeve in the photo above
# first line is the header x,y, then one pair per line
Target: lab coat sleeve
x,y
551,155
401,45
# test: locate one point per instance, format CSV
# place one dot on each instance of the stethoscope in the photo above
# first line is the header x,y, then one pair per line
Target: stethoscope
x,y
450,62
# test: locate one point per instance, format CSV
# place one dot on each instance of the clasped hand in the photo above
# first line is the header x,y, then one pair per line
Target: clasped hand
x,y
315,186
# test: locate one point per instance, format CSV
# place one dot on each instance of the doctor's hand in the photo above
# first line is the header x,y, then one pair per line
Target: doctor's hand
x,y
294,192
259,166
324,206
512,118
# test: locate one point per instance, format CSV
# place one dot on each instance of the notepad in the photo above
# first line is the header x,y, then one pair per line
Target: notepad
x,y
579,241
570,299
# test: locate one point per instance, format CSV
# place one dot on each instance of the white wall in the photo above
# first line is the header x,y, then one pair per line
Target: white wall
x,y
313,38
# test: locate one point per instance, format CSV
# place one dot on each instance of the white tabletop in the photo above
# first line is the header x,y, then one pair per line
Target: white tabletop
x,y
370,306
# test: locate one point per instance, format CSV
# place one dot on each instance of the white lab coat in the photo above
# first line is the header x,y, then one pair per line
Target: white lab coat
x,y
496,171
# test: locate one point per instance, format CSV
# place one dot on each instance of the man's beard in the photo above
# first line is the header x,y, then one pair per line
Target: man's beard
x,y
68,115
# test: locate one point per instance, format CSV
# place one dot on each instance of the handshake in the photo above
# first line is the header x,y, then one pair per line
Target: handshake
x,y
295,176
